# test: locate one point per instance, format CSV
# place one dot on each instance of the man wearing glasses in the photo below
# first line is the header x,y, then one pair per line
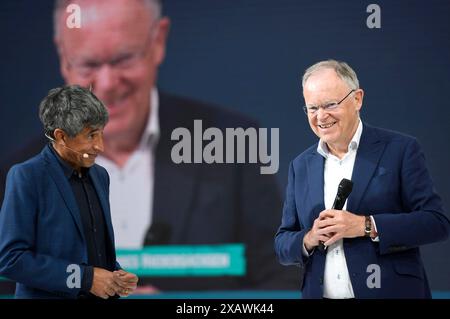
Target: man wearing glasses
x,y
117,51
372,244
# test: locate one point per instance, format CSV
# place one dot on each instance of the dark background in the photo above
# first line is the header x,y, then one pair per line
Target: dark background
x,y
249,55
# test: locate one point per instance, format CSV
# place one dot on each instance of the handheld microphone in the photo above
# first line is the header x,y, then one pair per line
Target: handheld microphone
x,y
344,189
85,155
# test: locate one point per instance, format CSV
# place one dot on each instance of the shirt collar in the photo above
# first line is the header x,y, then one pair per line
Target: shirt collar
x,y
68,170
151,133
322,147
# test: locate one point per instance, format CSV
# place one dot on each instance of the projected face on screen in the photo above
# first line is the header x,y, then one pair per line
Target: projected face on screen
x,y
117,50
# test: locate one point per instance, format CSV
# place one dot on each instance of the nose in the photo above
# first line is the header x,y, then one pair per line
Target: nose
x,y
98,145
105,81
321,114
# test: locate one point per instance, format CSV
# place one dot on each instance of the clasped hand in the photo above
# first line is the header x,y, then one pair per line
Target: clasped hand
x,y
106,283
332,225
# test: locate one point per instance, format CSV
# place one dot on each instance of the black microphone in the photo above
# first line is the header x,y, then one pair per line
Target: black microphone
x,y
85,155
344,189
159,233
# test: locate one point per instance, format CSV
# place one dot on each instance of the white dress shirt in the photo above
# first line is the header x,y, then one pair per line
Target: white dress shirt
x,y
337,283
131,186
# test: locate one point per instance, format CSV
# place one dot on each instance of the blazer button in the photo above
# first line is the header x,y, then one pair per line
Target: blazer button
x,y
321,280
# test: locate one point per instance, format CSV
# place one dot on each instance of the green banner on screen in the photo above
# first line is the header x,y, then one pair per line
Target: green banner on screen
x,y
195,260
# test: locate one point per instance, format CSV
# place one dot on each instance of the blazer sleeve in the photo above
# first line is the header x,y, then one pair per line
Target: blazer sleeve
x,y
289,237
19,260
423,220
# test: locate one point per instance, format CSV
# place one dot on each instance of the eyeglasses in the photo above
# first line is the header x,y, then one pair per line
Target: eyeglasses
x,y
312,109
122,61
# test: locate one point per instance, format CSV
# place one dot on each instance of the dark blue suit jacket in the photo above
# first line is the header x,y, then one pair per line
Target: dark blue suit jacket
x,y
391,182
41,229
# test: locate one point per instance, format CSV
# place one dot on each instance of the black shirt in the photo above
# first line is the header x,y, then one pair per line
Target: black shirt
x,y
93,222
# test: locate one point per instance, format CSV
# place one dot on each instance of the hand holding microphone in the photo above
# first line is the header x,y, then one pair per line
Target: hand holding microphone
x,y
344,189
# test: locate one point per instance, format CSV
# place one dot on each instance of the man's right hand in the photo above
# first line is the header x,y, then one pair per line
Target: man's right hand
x,y
103,283
313,238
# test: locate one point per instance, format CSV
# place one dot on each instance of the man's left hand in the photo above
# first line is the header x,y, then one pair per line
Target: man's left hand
x,y
127,281
340,224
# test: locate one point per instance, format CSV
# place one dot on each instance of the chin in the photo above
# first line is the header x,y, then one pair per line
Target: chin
x,y
328,139
89,165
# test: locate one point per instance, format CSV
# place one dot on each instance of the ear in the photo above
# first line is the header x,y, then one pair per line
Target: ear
x,y
163,28
63,63
359,96
59,135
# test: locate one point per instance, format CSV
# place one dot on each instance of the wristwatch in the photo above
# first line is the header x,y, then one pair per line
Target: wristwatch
x,y
368,227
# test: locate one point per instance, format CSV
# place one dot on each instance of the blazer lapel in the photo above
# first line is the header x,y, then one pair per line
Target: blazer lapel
x,y
315,167
174,185
173,193
63,187
368,156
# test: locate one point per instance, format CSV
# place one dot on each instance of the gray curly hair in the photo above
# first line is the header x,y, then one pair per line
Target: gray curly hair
x,y
71,108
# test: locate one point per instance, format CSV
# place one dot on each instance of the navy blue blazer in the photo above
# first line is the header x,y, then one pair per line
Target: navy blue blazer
x,y
41,229
391,182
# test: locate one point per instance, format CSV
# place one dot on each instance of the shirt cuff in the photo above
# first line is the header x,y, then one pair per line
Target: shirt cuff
x,y
376,239
305,251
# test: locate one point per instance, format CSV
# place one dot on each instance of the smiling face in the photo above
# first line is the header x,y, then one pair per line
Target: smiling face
x,y
71,149
117,50
335,127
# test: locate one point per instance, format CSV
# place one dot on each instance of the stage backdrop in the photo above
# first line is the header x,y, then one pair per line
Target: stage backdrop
x,y
249,55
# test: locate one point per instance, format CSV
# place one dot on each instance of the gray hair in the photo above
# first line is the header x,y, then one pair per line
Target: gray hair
x,y
154,7
342,69
71,108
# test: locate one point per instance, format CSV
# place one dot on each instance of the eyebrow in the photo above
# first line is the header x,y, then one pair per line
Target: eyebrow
x,y
94,130
324,103
92,61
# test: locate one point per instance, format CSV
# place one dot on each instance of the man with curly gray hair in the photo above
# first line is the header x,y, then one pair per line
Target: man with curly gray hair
x,y
57,237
